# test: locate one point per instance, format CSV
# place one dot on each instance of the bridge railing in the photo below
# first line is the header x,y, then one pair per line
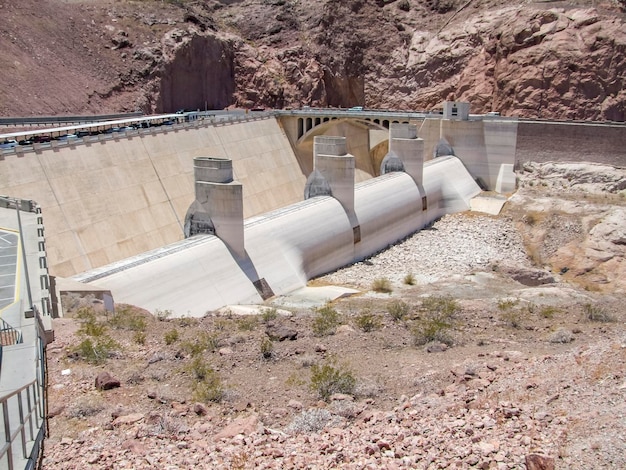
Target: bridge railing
x,y
205,118
45,120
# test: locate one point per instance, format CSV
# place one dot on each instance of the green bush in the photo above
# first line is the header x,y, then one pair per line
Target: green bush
x,y
207,385
199,368
269,314
440,305
202,342
438,313
126,318
326,321
398,309
367,321
171,336
267,348
96,345
328,378
382,285
247,323
96,350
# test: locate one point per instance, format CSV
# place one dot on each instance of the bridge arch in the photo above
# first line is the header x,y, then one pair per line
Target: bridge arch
x,y
323,124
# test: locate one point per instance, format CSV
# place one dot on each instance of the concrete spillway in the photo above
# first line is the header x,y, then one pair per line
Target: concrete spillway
x,y
286,247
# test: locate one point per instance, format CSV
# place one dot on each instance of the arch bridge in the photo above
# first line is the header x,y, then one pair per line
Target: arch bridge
x,y
366,131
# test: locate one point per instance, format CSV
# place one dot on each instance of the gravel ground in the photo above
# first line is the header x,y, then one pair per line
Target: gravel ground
x,y
455,244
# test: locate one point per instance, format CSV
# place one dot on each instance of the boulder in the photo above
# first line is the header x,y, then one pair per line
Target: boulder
x,y
105,381
539,462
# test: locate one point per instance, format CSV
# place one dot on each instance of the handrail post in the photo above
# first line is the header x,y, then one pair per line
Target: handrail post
x,y
21,412
30,420
7,433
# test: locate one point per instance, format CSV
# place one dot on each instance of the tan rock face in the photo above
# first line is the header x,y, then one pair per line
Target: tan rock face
x,y
524,62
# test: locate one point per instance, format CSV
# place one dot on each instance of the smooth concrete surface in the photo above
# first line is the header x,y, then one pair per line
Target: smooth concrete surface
x,y
482,145
506,182
337,168
106,201
287,247
190,281
488,203
312,297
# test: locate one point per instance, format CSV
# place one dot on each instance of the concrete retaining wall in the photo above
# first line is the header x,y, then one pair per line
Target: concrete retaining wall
x,y
116,197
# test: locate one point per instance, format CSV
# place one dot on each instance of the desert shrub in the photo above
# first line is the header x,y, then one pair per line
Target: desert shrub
x,y
85,408
309,421
126,318
221,324
96,350
200,343
562,336
409,279
139,337
510,315
398,309
185,322
326,321
209,389
368,389
307,360
267,348
507,304
597,313
440,305
207,386
367,321
382,285
171,336
162,315
437,316
198,368
247,323
548,311
96,345
330,378
345,408
268,314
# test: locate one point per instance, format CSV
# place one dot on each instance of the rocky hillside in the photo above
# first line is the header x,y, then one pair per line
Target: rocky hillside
x,y
562,60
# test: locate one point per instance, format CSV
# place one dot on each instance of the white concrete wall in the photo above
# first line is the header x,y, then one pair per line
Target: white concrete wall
x,y
287,247
115,198
482,145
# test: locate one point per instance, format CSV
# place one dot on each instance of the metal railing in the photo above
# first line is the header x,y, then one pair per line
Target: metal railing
x,y
24,411
25,405
8,335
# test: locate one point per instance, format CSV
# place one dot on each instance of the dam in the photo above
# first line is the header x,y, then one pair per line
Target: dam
x,y
284,199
